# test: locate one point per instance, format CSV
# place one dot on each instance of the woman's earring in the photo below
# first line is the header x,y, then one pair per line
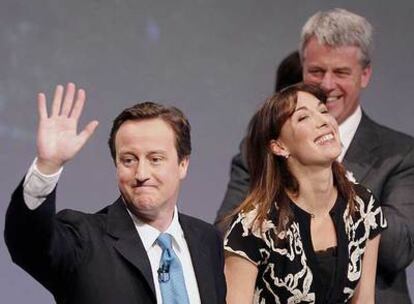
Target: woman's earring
x,y
286,156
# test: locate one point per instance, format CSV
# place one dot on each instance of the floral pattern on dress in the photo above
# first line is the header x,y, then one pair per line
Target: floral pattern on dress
x,y
284,273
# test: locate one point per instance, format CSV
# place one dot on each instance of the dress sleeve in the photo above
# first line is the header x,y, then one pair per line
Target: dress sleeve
x,y
242,240
378,221
373,215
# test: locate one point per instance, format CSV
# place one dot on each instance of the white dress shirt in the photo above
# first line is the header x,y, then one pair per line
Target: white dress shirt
x,y
37,186
347,131
149,235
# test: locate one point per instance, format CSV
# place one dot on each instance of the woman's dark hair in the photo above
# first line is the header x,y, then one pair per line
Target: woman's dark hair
x,y
289,71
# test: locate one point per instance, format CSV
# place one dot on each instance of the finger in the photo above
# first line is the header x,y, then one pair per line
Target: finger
x,y
79,103
68,100
88,131
41,106
57,100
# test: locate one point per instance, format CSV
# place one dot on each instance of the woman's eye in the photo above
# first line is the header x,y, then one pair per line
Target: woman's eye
x,y
301,118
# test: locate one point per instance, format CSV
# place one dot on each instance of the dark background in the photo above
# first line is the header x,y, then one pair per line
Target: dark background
x,y
213,59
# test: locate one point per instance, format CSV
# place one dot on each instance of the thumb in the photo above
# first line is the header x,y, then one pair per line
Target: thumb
x,y
88,131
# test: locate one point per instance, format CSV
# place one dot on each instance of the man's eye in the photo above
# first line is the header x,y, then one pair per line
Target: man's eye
x,y
316,73
156,160
128,161
342,73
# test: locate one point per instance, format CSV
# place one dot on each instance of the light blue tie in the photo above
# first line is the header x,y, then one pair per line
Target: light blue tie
x,y
170,273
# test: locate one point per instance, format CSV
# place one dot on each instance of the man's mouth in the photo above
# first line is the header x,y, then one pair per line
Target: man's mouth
x,y
331,99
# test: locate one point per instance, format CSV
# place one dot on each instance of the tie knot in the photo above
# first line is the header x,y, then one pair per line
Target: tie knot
x,y
164,240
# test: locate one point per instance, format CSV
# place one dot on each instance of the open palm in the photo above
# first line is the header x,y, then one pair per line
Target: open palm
x,y
58,139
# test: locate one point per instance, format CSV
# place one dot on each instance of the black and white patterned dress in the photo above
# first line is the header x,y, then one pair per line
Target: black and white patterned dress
x,y
288,271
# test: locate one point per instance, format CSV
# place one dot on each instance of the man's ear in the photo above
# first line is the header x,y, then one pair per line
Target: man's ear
x,y
183,166
366,76
278,148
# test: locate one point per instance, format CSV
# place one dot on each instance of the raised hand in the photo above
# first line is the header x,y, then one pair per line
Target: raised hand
x,y
57,138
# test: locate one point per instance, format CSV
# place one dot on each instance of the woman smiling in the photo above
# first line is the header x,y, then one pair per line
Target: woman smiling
x,y
305,233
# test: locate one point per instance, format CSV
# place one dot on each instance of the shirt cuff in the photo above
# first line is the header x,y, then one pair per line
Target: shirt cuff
x,y
37,186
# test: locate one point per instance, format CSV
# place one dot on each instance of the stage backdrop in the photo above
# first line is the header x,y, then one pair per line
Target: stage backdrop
x,y
213,59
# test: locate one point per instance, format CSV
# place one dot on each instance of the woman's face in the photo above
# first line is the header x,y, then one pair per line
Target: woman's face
x,y
310,136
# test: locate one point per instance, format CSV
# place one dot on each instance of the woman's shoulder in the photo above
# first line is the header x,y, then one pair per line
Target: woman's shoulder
x,y
361,191
368,214
248,221
365,199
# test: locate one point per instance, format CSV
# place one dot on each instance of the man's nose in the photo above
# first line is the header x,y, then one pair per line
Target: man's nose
x,y
143,171
327,84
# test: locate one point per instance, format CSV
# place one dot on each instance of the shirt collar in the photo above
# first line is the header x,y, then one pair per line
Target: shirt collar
x,y
176,231
347,130
149,234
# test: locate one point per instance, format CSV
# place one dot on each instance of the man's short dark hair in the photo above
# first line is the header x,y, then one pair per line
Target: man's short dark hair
x,y
151,110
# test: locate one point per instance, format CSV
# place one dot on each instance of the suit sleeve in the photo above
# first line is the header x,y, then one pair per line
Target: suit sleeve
x,y
396,250
237,187
221,280
45,245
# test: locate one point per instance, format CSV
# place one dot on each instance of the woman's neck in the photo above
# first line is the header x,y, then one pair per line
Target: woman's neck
x,y
317,193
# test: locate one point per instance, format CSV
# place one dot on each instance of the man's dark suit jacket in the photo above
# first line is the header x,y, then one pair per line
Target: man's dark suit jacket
x,y
99,258
382,160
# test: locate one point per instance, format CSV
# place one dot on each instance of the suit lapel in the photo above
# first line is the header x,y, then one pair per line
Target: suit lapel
x,y
128,243
359,158
200,258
